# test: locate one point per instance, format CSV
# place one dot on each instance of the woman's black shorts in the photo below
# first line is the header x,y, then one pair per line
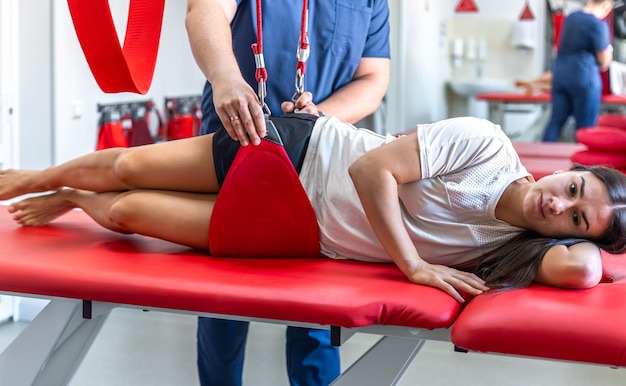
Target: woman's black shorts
x,y
295,132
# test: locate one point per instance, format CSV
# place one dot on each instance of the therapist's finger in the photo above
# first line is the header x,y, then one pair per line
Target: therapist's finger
x,y
305,99
254,123
287,107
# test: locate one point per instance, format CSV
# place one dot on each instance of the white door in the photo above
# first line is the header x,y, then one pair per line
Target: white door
x,y
8,84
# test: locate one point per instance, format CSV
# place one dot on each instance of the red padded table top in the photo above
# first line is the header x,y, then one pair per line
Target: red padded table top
x,y
513,97
75,258
540,321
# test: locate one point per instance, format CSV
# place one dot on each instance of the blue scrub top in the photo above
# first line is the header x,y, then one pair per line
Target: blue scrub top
x,y
340,34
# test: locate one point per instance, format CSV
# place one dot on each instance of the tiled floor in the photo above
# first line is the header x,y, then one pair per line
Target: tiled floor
x,y
157,349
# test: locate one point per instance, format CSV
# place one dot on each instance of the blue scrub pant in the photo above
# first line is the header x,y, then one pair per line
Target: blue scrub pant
x,y
583,104
311,359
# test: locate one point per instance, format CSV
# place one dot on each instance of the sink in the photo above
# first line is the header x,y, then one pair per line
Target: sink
x,y
471,87
467,89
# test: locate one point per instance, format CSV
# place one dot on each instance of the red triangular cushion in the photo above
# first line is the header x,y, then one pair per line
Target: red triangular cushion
x,y
262,209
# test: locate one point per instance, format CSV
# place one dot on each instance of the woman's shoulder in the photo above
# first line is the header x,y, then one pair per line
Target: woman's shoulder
x,y
457,144
462,129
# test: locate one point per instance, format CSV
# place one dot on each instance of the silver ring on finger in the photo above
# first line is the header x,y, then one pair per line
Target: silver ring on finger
x,y
234,117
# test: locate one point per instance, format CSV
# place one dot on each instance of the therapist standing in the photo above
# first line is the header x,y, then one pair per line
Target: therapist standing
x,y
584,51
347,75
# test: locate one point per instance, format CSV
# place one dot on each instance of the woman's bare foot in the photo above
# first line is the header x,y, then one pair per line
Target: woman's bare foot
x,y
41,210
15,183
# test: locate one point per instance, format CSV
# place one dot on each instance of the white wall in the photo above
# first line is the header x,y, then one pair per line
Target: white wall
x,y
8,84
34,109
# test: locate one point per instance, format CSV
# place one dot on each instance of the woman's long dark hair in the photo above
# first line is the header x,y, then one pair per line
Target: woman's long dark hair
x,y
515,264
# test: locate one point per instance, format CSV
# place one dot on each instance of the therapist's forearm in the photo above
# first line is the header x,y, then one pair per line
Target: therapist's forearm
x,y
208,29
362,96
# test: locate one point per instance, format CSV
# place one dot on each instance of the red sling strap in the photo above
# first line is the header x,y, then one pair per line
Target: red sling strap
x,y
117,69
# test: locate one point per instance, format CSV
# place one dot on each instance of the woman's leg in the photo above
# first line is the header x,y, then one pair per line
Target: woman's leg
x,y
182,165
179,217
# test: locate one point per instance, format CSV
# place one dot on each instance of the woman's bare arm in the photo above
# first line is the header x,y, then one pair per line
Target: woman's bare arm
x,y
376,176
579,266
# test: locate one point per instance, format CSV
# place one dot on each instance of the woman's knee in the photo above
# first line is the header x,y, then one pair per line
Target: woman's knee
x,y
127,167
123,212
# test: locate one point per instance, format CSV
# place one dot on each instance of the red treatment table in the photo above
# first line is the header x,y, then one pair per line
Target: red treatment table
x,y
544,158
87,271
499,102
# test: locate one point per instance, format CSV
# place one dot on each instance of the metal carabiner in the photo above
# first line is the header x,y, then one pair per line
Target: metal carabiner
x,y
299,85
302,54
262,93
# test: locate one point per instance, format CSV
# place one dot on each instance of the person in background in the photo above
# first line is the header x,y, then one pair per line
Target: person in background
x,y
347,75
584,51
539,85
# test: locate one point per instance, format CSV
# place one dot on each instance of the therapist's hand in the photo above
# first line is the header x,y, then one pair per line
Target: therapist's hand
x,y
304,104
238,107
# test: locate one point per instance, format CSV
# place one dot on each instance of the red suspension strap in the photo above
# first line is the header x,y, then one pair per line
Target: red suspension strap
x,y
115,68
302,54
257,49
303,51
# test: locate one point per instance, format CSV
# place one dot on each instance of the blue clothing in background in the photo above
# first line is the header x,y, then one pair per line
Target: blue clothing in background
x,y
576,80
340,34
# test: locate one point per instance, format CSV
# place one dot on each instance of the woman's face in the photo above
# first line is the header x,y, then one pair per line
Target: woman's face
x,y
568,204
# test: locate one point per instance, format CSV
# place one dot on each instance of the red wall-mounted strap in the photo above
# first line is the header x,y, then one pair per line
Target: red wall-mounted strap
x,y
117,69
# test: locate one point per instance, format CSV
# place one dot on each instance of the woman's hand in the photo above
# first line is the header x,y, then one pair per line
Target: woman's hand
x,y
304,104
449,280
